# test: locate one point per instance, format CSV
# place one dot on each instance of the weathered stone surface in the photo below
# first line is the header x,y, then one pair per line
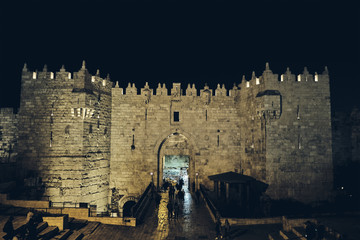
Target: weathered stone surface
x,y
64,134
8,135
90,142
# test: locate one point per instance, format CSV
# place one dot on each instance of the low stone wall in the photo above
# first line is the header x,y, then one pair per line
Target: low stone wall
x,y
60,221
24,203
127,221
79,213
251,221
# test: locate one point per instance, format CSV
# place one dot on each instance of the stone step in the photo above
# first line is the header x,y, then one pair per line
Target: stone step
x,y
76,235
275,236
300,232
76,224
62,235
48,233
287,235
89,228
41,226
236,231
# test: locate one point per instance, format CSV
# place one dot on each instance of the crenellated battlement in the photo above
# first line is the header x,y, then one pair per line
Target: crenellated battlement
x,y
80,133
268,79
64,79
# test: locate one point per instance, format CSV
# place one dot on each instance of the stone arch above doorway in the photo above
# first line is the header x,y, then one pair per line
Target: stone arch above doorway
x,y
165,135
123,201
177,142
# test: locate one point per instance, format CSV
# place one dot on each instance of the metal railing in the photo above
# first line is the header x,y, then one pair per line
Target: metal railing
x,y
139,208
211,205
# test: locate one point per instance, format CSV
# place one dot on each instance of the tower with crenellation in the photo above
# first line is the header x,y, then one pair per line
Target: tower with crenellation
x,y
89,141
64,134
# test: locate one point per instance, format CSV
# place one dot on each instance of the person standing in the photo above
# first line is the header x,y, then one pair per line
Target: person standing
x,y
176,210
170,209
31,230
310,230
227,229
9,228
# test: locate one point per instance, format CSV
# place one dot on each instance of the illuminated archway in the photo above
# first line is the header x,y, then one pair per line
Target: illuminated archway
x,y
176,143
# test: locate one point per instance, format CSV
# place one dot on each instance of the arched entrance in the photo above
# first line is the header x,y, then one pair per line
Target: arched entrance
x,y
176,158
127,208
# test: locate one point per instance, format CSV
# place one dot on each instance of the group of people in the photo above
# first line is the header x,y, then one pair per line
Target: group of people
x,y
26,232
176,195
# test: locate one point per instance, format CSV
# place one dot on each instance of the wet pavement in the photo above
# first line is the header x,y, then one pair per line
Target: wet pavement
x,y
194,222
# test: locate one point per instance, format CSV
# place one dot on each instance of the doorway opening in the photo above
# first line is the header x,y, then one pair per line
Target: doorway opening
x,y
176,167
127,209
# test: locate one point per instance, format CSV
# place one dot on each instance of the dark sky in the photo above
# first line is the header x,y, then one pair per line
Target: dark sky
x,y
167,41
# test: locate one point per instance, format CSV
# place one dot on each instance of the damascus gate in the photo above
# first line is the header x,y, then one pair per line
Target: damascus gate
x,y
89,140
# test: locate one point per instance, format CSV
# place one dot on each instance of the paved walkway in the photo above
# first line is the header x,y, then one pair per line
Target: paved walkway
x,y
194,222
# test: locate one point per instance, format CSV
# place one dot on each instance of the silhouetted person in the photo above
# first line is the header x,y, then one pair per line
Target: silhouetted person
x,y
181,195
181,182
176,210
227,229
320,232
31,230
171,192
170,209
165,184
9,228
310,230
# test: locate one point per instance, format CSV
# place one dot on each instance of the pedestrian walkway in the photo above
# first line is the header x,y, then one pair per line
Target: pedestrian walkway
x,y
194,222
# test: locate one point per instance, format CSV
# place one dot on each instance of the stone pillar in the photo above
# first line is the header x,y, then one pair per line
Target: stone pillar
x,y
219,189
227,191
121,210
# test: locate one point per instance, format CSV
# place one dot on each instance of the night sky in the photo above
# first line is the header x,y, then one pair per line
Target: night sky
x,y
179,41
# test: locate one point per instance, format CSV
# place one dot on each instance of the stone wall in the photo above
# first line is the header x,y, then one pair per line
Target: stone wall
x,y
277,130
91,142
206,132
298,139
64,134
341,128
8,135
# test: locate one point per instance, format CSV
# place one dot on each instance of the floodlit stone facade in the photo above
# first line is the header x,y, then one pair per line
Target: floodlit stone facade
x,y
8,135
93,142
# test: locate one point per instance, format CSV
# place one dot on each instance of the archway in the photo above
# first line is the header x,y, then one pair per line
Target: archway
x,y
127,209
176,145
176,167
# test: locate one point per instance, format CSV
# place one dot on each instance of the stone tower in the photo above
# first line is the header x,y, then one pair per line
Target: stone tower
x,y
64,133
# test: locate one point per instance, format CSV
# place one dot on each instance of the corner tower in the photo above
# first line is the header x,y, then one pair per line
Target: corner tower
x,y
64,134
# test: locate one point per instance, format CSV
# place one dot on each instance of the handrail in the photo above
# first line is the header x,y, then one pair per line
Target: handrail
x,y
137,208
211,205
